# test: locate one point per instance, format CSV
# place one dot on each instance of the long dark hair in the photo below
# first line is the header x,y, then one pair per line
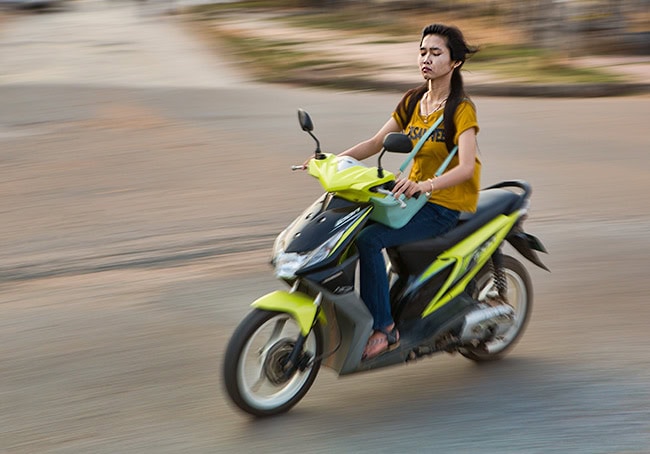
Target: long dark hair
x,y
459,51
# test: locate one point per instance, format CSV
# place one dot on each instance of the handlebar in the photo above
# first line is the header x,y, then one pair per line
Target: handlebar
x,y
388,189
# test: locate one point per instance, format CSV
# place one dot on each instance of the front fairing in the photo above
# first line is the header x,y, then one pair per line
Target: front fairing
x,y
320,236
347,177
329,218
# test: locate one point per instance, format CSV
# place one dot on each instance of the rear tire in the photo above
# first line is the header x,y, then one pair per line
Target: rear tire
x,y
252,367
520,296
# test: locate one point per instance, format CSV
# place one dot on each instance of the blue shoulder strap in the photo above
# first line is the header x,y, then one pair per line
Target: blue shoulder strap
x,y
446,162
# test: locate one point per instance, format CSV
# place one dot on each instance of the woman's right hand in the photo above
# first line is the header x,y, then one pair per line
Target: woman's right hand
x,y
407,187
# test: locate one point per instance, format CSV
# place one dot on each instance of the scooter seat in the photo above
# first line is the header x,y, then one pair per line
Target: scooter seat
x,y
491,203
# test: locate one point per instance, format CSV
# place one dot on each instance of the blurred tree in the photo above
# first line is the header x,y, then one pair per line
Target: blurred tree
x,y
577,26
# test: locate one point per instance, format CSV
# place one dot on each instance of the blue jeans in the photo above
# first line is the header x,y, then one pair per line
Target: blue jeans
x,y
432,220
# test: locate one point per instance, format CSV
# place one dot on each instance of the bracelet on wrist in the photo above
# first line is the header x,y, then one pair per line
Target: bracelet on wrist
x,y
433,186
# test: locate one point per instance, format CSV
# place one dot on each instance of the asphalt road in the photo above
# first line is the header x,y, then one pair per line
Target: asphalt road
x,y
137,222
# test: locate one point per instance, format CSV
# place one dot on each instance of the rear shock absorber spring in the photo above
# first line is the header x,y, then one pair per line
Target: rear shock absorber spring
x,y
499,275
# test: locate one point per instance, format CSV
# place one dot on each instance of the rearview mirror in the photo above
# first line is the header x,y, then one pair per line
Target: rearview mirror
x,y
398,142
395,142
305,121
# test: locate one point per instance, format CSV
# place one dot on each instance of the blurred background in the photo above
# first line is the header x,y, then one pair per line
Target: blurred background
x,y
145,149
338,42
539,18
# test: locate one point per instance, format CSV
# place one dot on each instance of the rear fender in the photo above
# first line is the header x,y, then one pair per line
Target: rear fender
x,y
298,305
526,245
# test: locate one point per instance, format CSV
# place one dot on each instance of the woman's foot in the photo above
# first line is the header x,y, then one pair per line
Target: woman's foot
x,y
382,340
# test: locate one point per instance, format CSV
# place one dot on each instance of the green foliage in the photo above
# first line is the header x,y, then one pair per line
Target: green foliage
x,y
527,64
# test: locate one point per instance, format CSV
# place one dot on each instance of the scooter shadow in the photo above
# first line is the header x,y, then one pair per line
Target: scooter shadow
x,y
434,387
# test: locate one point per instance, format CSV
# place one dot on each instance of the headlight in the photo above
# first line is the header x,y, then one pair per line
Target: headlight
x,y
288,263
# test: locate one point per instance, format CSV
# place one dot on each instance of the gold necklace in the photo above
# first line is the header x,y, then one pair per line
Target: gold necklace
x,y
426,107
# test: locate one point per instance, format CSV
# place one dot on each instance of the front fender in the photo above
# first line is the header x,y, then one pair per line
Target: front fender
x,y
298,305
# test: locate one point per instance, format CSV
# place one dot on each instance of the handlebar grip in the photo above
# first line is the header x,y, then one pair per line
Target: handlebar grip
x,y
389,185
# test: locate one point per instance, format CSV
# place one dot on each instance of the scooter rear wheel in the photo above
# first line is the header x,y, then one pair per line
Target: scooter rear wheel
x,y
253,367
520,297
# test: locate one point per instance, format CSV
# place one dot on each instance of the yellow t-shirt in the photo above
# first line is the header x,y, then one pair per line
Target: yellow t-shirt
x,y
464,196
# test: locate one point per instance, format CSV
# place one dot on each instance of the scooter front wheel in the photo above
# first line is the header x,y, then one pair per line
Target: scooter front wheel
x,y
255,365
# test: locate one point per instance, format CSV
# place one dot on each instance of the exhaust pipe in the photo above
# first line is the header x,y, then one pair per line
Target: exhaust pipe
x,y
487,321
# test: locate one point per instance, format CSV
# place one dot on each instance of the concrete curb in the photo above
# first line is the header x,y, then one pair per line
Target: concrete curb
x,y
559,91
492,89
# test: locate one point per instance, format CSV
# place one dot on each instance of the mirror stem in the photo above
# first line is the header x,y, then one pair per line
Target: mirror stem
x,y
380,171
317,153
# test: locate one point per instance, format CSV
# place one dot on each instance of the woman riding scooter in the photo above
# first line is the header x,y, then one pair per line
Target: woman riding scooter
x,y
443,52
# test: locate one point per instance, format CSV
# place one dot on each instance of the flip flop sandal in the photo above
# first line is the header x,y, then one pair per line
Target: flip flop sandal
x,y
391,338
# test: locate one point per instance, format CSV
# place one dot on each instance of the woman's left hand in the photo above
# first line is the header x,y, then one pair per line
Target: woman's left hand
x,y
407,187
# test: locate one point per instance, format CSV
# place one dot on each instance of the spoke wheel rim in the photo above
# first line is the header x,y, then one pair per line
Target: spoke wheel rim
x,y
260,365
517,298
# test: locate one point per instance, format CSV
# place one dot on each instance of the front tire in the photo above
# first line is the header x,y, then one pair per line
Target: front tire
x,y
253,364
520,297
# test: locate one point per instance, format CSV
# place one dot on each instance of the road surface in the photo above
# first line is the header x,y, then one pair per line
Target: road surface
x,y
139,204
